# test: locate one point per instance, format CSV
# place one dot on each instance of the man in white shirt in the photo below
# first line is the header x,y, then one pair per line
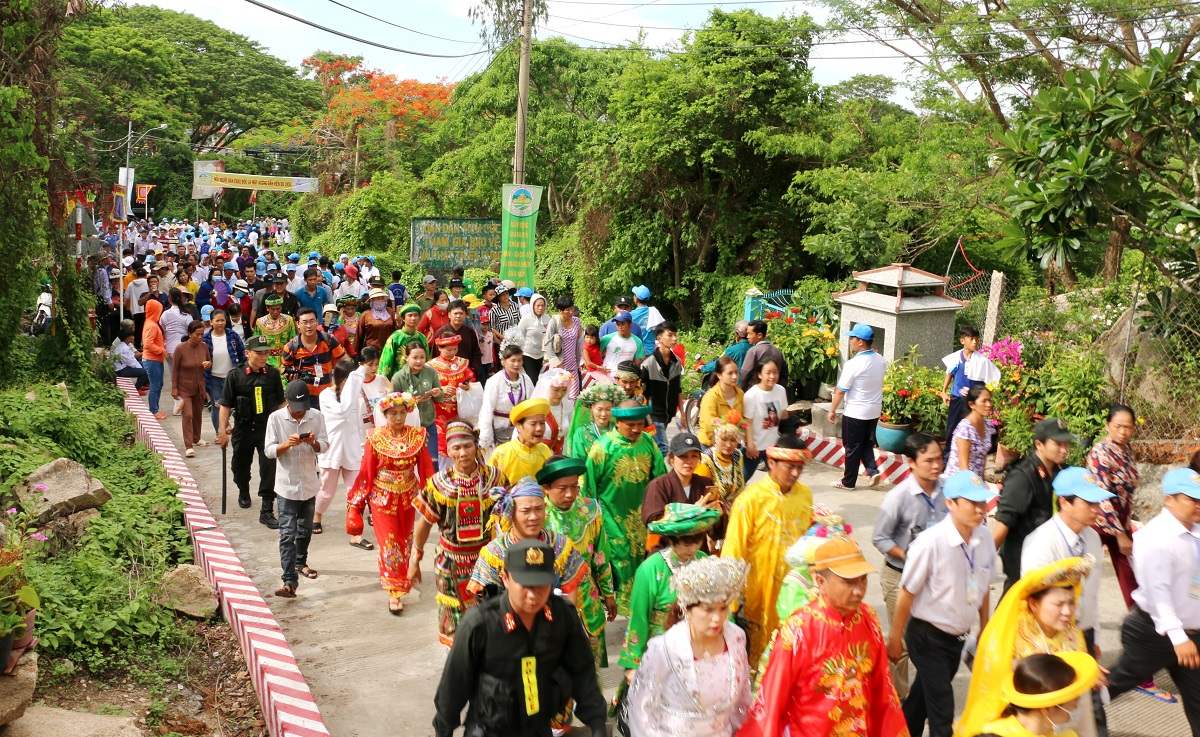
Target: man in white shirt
x,y
861,386
295,435
964,369
1163,629
913,506
943,591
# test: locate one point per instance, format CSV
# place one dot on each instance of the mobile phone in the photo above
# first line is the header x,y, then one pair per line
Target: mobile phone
x,y
306,436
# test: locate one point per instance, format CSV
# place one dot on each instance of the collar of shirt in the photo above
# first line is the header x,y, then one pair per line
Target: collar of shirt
x,y
1073,540
915,489
954,540
1174,528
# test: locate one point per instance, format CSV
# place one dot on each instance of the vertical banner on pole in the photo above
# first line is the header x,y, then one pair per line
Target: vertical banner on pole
x,y
119,206
518,230
125,175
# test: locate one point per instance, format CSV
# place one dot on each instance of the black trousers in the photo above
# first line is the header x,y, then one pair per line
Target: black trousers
x,y
935,656
958,409
533,367
858,438
1144,652
245,444
1089,639
139,321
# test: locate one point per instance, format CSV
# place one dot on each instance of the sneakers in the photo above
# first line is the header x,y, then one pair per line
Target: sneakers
x,y
843,487
202,442
190,453
874,479
267,518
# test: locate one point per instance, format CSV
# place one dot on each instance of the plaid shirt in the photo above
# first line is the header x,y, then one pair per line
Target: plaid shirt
x,y
314,365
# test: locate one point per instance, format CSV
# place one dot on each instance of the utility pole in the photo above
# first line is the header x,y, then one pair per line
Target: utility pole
x,y
121,237
522,92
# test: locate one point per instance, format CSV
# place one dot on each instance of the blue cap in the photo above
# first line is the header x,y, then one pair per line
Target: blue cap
x,y
371,259
260,268
290,267
294,257
314,254
1079,482
206,312
337,266
622,316
642,292
1182,481
524,292
862,331
966,485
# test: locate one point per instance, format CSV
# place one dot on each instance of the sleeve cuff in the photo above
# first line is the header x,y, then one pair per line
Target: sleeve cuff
x,y
1177,636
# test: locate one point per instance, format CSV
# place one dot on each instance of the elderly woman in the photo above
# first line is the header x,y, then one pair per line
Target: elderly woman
x,y
1111,461
395,467
723,461
188,367
553,387
592,418
683,528
694,680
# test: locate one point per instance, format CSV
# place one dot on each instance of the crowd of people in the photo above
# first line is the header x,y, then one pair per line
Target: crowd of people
x,y
544,453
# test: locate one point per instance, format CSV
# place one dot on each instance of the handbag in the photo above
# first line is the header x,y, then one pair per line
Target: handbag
x,y
470,400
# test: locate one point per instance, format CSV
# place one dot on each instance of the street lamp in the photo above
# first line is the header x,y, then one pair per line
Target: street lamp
x,y
129,141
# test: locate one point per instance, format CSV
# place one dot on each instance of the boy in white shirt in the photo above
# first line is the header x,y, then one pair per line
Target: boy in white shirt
x,y
964,369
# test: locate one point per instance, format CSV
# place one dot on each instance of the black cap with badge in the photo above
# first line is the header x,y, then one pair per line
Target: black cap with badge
x,y
683,443
530,563
297,395
257,343
1054,429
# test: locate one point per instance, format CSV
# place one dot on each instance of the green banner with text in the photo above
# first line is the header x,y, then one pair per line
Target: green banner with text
x,y
518,229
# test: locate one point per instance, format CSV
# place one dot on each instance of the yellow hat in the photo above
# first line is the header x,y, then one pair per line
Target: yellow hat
x,y
529,408
1087,673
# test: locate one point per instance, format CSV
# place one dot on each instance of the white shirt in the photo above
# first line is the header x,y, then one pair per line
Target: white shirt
x,y
372,394
498,401
1166,563
174,326
619,349
1053,541
253,238
344,424
765,406
133,293
862,381
221,363
296,476
947,577
350,287
978,368
906,512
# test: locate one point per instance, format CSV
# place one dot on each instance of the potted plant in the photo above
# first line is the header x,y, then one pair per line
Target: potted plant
x,y
809,347
910,403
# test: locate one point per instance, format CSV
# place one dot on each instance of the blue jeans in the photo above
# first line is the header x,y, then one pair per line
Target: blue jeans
x,y
660,437
138,374
154,370
295,532
215,386
431,437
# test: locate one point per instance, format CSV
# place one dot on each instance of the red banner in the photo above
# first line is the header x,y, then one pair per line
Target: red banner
x,y
143,193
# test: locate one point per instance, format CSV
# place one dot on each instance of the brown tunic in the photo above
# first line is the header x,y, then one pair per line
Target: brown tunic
x,y
374,332
187,368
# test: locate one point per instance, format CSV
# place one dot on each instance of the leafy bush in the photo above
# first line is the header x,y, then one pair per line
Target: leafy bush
x,y
723,301
809,347
97,600
910,396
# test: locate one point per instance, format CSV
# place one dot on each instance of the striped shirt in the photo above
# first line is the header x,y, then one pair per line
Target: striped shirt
x,y
314,365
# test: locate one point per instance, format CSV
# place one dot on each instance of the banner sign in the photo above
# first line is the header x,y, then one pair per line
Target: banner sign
x,y
519,209
118,205
253,181
440,244
143,192
200,167
125,177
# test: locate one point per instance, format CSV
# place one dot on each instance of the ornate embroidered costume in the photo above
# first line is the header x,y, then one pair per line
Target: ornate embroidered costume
x,y
277,332
452,374
583,525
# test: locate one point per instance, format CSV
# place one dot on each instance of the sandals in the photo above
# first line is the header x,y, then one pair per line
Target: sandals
x,y
1157,694
307,572
395,607
317,529
286,591
363,544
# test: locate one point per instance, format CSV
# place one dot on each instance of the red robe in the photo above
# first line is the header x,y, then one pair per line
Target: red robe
x,y
395,467
827,677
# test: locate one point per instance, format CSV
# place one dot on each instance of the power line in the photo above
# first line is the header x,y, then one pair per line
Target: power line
x,y
327,29
405,28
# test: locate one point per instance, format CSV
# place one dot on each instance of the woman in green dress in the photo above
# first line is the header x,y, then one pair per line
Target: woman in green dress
x,y
652,609
592,418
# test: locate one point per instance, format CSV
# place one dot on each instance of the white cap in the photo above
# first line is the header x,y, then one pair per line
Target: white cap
x,y
127,261
329,308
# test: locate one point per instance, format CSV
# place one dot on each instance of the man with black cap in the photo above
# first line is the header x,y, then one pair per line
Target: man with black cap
x,y
252,392
519,657
622,306
1027,499
680,483
295,435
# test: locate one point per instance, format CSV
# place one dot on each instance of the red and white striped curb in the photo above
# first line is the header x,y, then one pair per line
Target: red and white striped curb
x,y
893,466
287,702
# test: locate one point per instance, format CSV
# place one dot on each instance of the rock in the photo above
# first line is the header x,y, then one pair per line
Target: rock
x,y
60,488
187,591
46,721
16,690
65,532
1148,500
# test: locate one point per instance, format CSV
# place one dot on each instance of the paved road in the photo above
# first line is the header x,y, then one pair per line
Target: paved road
x,y
374,675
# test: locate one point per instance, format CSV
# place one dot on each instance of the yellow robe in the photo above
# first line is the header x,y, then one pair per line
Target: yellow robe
x,y
516,460
763,523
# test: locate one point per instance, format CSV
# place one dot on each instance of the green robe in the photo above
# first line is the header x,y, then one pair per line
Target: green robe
x,y
580,441
650,604
583,525
617,473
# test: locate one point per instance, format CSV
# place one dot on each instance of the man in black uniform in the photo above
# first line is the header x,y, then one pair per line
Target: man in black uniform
x,y
252,392
519,657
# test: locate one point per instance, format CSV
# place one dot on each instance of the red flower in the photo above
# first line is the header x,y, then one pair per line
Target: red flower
x,y
812,319
795,310
903,393
790,320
